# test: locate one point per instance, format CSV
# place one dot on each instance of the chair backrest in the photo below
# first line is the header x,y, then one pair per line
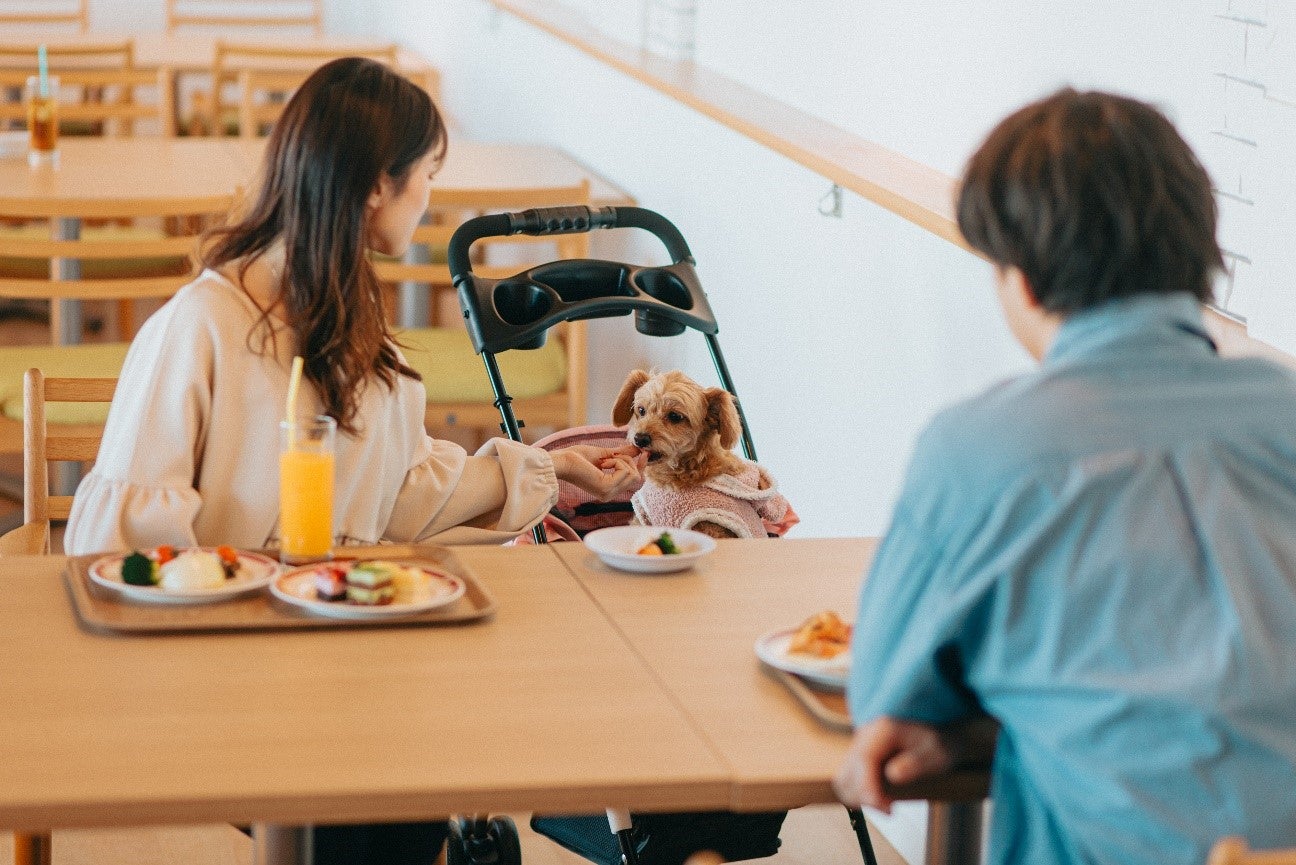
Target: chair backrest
x,y
497,258
98,86
44,444
114,263
24,12
1234,851
267,75
246,14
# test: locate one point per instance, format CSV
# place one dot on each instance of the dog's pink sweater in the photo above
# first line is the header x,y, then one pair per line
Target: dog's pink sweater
x,y
743,503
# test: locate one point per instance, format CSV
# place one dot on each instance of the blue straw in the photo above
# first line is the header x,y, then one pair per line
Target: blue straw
x,y
43,63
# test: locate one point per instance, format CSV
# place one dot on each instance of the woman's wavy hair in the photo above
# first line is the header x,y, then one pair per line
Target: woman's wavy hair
x,y
1093,197
351,122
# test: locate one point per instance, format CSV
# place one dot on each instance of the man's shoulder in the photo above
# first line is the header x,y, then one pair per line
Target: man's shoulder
x,y
1055,415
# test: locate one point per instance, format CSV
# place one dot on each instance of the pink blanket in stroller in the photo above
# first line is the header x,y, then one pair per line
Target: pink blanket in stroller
x,y
578,513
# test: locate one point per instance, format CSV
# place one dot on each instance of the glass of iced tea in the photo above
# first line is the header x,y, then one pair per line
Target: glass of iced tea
x,y
42,119
306,489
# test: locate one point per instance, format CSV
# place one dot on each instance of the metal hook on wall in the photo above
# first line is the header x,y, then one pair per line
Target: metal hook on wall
x,y
831,203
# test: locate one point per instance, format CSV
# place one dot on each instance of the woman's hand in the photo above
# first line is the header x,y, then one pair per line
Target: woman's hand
x,y
601,472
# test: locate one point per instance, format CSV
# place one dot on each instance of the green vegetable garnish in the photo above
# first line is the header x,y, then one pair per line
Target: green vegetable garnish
x,y
138,570
667,545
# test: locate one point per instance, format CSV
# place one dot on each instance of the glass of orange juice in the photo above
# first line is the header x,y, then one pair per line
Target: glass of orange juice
x,y
306,488
42,119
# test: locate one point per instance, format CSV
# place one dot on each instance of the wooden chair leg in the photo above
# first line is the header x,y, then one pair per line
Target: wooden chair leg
x,y
32,849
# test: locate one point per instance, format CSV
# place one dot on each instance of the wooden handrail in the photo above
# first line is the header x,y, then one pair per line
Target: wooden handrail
x,y
909,189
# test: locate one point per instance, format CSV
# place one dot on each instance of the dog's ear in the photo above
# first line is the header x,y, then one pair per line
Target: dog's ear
x,y
625,400
722,416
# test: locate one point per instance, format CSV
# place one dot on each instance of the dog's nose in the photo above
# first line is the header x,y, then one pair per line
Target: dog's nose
x,y
642,440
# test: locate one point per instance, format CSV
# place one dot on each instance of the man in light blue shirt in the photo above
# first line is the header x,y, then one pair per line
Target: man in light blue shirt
x,y
1100,555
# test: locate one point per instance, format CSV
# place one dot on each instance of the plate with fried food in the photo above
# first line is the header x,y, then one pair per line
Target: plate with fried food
x,y
649,549
817,650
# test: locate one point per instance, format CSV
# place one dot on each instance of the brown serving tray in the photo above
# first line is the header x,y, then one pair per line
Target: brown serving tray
x,y
100,609
827,705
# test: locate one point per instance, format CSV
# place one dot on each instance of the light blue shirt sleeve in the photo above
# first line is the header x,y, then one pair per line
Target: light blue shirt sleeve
x,y
914,622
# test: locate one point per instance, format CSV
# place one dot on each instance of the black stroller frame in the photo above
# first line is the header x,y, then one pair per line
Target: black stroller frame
x,y
517,313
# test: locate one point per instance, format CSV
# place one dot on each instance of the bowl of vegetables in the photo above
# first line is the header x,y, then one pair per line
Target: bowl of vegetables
x,y
649,549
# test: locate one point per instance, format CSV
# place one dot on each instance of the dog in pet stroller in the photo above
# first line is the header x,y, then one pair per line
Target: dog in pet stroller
x,y
516,313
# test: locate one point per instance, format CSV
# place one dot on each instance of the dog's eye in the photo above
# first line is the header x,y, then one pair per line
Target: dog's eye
x,y
675,417
639,410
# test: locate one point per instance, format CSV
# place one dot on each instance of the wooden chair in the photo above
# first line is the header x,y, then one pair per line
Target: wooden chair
x,y
150,264
266,76
549,385
1234,851
246,14
23,12
98,87
44,443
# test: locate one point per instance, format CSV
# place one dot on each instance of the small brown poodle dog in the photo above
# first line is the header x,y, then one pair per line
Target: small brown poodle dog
x,y
692,480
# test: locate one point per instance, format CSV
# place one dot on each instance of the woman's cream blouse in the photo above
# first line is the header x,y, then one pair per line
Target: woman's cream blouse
x,y
190,451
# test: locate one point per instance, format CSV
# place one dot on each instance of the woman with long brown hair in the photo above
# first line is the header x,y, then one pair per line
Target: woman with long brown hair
x,y
190,449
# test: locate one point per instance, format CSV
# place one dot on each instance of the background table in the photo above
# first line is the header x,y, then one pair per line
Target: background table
x,y
193,52
103,169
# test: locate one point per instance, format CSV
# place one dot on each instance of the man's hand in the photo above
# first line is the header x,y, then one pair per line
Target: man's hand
x,y
601,472
890,751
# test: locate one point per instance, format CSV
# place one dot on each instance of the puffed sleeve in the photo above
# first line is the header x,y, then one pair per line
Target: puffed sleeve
x,y
141,491
449,497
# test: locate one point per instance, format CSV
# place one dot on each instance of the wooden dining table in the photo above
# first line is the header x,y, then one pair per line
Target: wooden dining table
x,y
192,52
91,170
589,689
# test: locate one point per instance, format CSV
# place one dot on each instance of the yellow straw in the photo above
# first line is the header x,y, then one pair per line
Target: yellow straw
x,y
290,407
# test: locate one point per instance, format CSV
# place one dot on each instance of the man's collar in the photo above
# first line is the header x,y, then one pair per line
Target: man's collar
x,y
1129,321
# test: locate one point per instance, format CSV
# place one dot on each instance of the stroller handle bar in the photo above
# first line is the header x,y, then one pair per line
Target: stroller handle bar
x,y
577,219
517,312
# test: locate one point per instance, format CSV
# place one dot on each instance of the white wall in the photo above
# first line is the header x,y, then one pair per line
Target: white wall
x,y
843,335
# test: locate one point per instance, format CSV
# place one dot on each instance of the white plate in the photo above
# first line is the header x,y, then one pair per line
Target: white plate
x,y
618,547
255,572
432,588
772,648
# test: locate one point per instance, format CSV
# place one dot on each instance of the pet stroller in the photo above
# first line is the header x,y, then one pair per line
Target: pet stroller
x,y
516,313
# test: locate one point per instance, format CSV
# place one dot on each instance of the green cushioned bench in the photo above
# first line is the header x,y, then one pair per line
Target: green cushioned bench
x,y
453,373
93,360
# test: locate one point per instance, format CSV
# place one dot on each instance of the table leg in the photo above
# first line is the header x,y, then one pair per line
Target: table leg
x,y
65,315
413,304
65,324
954,833
282,845
32,849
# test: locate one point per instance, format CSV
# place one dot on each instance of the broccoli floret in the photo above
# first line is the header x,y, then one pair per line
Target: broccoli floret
x,y
667,545
138,570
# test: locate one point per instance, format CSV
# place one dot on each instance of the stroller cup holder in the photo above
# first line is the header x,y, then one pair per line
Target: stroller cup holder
x,y
517,312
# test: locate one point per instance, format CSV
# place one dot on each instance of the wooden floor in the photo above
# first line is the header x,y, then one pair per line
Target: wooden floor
x,y
816,835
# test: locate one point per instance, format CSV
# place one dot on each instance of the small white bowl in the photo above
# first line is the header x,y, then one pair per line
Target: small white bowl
x,y
618,547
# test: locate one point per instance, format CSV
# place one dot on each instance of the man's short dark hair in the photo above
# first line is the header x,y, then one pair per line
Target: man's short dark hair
x,y
1093,197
